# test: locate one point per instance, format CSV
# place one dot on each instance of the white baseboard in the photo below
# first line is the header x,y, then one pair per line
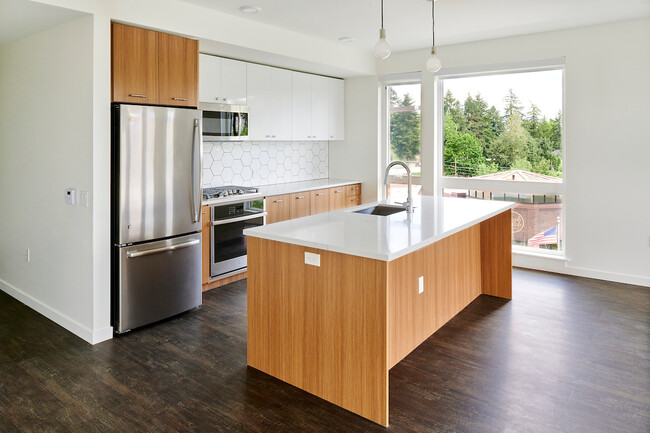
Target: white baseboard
x,y
561,267
92,337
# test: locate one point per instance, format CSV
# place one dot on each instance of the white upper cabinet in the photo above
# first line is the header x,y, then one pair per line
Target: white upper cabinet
x,y
258,89
336,109
221,81
233,81
209,79
281,107
319,108
284,105
301,97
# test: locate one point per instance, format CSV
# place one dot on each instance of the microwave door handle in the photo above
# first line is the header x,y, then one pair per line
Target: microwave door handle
x,y
235,124
195,174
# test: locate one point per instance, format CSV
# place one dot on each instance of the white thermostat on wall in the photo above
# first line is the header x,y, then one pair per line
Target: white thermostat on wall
x,y
71,196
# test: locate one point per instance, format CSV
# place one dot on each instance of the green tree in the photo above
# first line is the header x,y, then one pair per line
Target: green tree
x,y
404,129
513,105
463,153
512,145
452,107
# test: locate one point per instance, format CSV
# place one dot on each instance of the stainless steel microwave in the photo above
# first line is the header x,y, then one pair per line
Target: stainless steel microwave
x,y
224,122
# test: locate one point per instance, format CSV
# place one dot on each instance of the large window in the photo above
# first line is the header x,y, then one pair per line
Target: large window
x,y
403,119
502,140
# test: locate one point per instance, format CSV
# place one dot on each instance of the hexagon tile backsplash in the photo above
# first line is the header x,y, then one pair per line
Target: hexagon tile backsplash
x,y
254,163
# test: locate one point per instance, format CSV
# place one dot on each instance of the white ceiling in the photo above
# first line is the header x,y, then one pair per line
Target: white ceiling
x,y
20,18
408,22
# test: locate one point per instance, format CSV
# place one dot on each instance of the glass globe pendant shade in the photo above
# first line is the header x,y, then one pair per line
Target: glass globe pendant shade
x,y
382,49
433,63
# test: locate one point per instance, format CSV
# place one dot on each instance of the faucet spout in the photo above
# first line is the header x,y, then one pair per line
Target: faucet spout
x,y
409,199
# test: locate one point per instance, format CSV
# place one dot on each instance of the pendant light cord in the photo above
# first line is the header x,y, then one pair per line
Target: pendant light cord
x,y
382,14
433,23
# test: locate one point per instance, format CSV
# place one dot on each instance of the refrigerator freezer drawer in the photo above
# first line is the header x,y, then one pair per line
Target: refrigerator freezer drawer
x,y
157,280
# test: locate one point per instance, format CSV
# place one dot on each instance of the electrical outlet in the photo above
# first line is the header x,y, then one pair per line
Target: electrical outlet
x,y
312,259
27,255
421,284
83,198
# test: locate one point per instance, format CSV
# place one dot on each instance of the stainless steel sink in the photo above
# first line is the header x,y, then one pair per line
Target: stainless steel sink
x,y
381,210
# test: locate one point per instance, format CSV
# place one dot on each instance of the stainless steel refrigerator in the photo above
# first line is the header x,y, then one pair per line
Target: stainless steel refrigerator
x,y
156,213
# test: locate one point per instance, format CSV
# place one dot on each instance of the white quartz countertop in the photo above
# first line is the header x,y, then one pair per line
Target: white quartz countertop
x,y
383,237
282,188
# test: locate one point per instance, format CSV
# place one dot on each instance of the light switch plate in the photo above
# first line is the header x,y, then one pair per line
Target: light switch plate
x,y
312,259
71,196
83,198
421,284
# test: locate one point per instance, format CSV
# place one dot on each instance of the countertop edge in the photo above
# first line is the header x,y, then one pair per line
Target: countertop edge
x,y
377,256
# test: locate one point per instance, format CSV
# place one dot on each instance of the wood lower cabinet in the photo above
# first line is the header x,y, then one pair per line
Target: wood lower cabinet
x,y
337,198
134,64
205,244
319,201
178,70
299,206
149,67
289,206
278,208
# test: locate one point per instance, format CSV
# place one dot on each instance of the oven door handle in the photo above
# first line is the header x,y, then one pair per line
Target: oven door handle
x,y
237,219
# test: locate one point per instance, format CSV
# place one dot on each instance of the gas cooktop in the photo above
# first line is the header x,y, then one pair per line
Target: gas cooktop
x,y
227,191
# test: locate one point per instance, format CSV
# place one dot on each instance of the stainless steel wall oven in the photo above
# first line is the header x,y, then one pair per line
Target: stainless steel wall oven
x,y
227,240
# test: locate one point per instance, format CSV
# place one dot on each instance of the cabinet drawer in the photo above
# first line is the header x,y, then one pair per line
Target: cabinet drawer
x,y
353,200
353,189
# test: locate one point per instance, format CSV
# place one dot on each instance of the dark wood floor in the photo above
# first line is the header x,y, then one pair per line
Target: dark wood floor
x,y
566,355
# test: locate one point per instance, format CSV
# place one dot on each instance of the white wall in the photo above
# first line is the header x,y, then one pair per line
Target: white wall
x,y
46,146
607,145
358,157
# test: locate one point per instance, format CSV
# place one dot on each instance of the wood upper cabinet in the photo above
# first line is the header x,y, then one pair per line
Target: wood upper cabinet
x,y
150,67
299,205
319,201
338,198
134,65
205,244
278,208
178,70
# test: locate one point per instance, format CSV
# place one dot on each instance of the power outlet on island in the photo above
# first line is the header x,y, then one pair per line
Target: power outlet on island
x,y
312,259
421,284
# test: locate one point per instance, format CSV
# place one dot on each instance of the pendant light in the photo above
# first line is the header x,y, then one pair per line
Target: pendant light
x,y
433,64
382,49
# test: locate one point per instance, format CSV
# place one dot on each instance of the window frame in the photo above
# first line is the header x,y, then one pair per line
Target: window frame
x,y
534,188
384,146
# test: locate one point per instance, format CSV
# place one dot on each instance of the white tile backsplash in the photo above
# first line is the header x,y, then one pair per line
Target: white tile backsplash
x,y
251,163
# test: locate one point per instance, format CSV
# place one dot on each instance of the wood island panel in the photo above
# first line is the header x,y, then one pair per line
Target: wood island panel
x,y
322,329
496,255
451,269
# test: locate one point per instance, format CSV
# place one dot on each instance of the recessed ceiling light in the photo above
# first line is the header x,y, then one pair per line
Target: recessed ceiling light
x,y
250,9
346,39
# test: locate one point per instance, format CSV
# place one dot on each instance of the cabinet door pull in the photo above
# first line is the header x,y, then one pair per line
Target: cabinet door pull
x,y
179,99
338,191
134,95
299,197
278,201
320,193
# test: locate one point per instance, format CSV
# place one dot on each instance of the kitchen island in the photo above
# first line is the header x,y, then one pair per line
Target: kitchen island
x,y
337,299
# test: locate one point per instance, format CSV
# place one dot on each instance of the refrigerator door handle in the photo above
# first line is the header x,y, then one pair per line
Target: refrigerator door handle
x,y
195,193
134,254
